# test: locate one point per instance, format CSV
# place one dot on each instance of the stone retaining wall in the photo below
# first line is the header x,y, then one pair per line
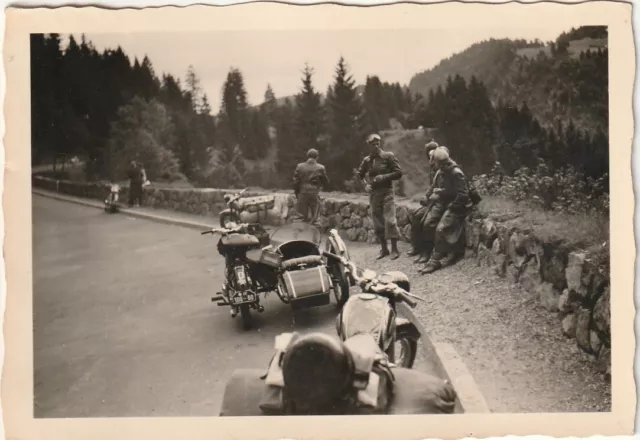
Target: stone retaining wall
x,y
566,282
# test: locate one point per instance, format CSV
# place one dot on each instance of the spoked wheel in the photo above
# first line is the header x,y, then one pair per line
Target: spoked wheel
x,y
247,319
342,284
405,350
341,287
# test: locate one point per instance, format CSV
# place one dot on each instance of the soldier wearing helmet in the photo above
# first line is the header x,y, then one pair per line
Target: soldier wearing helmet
x,y
308,178
448,204
417,216
382,168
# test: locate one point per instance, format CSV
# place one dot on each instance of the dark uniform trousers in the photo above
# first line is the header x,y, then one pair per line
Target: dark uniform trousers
x,y
383,212
308,205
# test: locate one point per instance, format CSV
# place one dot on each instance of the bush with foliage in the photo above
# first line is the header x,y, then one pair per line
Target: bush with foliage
x,y
564,190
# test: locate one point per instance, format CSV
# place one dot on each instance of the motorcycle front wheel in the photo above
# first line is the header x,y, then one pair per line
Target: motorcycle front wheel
x,y
406,349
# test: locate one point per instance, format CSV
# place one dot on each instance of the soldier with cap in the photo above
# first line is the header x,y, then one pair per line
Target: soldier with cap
x,y
308,178
382,168
443,226
417,216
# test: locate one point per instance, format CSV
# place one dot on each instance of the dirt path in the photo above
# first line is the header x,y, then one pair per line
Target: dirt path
x,y
512,346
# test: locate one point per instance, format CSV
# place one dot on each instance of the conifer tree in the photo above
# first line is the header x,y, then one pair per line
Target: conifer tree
x,y
309,115
347,129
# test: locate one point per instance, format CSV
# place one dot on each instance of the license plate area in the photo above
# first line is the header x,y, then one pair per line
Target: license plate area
x,y
245,297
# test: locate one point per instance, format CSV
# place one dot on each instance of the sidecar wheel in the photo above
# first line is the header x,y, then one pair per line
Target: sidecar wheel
x,y
247,319
405,353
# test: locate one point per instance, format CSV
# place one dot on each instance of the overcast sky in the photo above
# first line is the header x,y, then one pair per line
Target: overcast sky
x,y
278,57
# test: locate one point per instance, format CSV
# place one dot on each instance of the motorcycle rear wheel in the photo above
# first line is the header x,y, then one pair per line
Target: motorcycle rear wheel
x,y
405,354
247,319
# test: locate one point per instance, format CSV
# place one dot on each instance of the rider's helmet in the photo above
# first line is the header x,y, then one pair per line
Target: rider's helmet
x,y
318,370
441,154
429,147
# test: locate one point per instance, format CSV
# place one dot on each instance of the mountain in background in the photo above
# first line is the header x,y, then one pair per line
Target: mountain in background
x,y
560,80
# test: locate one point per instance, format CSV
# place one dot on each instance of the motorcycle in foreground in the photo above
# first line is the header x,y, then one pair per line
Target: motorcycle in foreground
x,y
236,203
111,202
318,374
374,312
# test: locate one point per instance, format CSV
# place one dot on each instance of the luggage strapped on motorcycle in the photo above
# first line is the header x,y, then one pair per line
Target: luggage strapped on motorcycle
x,y
373,381
257,204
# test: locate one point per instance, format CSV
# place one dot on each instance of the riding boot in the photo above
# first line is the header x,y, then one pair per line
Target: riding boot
x,y
384,251
416,245
394,249
426,247
424,257
431,266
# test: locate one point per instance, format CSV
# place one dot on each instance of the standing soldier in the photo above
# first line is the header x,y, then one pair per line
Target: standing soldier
x,y
382,168
136,179
308,177
416,216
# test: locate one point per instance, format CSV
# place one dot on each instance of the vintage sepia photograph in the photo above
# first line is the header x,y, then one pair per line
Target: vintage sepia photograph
x,y
297,221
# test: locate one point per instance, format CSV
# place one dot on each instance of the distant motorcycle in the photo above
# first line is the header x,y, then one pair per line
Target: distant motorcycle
x,y
374,312
236,203
111,202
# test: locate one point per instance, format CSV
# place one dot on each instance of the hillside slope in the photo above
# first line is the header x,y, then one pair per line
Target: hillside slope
x,y
561,80
408,146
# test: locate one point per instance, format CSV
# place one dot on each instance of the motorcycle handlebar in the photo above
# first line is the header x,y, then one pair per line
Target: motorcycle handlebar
x,y
223,231
398,292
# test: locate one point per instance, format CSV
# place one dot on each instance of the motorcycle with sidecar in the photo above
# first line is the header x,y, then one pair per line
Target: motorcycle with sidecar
x,y
290,263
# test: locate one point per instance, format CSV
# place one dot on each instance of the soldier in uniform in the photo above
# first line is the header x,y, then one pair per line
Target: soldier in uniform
x,y
382,168
308,178
136,178
443,225
416,217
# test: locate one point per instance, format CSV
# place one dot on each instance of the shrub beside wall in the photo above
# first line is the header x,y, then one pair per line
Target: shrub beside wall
x,y
568,282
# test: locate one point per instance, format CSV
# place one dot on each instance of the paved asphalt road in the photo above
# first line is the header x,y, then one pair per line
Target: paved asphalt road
x,y
123,322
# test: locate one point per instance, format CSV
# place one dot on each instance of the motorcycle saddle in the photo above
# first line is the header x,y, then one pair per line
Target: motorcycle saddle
x,y
239,240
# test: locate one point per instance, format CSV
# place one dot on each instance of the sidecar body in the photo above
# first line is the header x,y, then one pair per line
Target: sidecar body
x,y
297,270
